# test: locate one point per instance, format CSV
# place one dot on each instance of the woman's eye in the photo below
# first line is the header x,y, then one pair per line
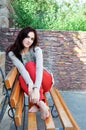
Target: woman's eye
x,y
32,39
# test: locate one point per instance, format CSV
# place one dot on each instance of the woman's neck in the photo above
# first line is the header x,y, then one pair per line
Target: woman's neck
x,y
25,50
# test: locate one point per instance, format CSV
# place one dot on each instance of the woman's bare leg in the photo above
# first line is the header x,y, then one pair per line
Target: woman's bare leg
x,y
34,108
44,110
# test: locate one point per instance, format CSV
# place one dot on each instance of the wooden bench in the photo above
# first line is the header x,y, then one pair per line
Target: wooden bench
x,y
16,101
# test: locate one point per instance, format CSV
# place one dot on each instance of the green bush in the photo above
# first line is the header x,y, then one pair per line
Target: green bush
x,y
49,14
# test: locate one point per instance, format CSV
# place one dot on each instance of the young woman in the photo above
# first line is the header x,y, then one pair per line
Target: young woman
x,y
27,56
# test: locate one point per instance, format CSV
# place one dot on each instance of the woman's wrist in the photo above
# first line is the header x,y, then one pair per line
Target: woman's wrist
x,y
35,88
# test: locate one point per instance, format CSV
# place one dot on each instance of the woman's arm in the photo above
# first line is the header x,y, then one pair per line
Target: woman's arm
x,y
20,68
39,67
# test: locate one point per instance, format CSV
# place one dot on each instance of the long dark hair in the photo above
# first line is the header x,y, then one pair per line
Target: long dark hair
x,y
17,47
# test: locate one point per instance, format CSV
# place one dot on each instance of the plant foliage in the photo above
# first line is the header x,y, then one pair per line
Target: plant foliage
x,y
50,14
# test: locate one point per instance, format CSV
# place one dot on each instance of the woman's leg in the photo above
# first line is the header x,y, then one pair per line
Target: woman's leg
x,y
47,80
23,84
46,85
34,107
44,109
25,88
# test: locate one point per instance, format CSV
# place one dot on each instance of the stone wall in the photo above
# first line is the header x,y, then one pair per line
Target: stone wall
x,y
5,14
2,66
62,55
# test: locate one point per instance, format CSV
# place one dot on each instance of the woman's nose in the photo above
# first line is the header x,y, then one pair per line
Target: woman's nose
x,y
29,40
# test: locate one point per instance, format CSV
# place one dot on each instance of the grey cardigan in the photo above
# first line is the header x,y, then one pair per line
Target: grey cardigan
x,y
31,55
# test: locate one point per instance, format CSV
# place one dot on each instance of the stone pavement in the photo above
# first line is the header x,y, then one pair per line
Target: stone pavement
x,y
76,102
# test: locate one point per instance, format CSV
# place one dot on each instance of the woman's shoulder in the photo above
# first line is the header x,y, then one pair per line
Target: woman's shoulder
x,y
10,53
37,48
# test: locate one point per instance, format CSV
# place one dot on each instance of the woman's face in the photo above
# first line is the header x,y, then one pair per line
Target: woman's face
x,y
28,41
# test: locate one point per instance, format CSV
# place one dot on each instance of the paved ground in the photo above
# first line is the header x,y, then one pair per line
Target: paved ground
x,y
76,102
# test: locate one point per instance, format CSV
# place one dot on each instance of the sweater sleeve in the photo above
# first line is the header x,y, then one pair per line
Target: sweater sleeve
x,y
20,67
39,67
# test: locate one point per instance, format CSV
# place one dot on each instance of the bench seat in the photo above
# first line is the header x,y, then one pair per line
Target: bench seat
x,y
16,101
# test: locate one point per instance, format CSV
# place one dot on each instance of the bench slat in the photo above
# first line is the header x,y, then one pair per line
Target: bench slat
x,y
32,123
67,111
15,94
10,78
62,114
19,107
49,123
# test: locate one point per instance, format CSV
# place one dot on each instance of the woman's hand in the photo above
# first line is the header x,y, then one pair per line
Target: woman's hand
x,y
35,95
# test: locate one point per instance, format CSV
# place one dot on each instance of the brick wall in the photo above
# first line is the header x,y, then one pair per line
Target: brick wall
x,y
61,51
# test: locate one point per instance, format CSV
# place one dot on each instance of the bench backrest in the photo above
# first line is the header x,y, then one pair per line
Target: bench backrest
x,y
10,78
17,95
